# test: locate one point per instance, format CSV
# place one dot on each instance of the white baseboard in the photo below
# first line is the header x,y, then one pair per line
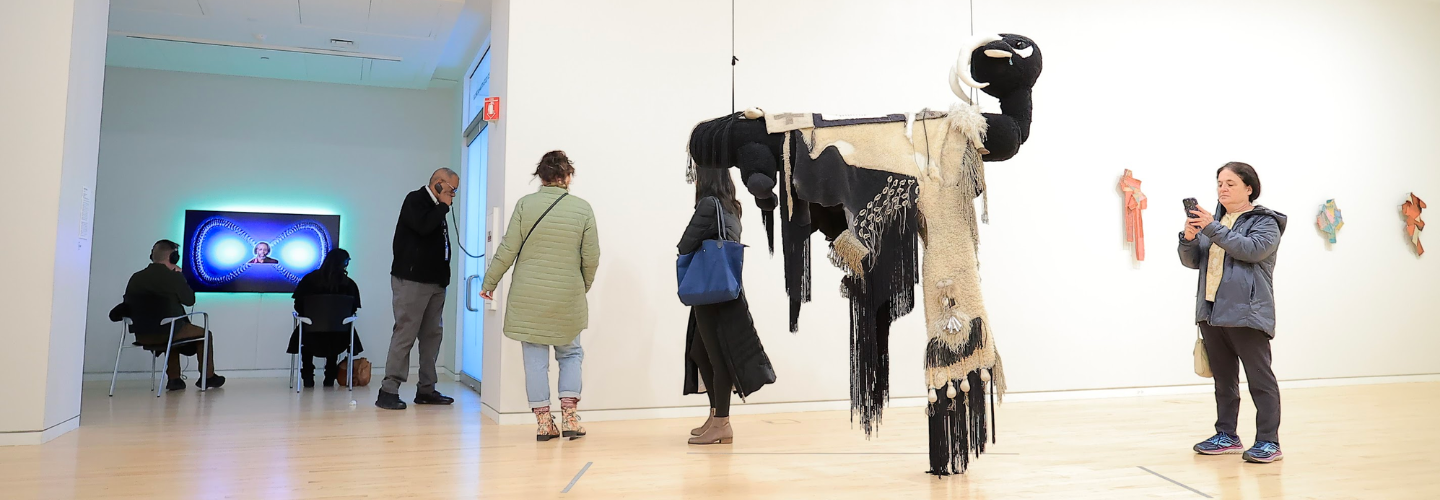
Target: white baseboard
x,y
1207,387
23,438
444,372
602,415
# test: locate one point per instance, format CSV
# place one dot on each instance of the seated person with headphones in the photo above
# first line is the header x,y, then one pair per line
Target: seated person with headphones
x,y
162,278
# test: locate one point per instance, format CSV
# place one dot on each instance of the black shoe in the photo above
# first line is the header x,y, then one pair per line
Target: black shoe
x,y
308,382
389,401
175,384
433,398
329,382
214,382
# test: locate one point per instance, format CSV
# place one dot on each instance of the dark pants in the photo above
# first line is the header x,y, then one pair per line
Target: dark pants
x,y
307,366
705,350
1228,348
187,332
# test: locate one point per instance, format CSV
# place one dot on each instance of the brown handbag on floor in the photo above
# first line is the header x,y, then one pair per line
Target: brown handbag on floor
x,y
362,372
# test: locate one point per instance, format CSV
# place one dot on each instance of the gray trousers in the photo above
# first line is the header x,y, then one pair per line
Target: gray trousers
x,y
1228,348
418,309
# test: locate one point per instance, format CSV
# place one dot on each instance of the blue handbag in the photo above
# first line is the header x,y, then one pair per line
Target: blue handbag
x,y
711,275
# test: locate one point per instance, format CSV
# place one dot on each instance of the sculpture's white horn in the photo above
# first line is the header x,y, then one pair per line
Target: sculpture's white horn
x,y
962,65
956,88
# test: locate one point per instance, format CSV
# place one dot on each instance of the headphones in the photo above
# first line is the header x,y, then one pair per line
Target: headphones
x,y
174,249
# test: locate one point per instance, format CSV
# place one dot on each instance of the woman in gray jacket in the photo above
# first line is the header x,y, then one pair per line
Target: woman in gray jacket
x,y
1234,250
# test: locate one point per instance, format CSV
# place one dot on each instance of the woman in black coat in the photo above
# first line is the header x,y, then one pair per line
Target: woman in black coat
x,y
330,279
723,353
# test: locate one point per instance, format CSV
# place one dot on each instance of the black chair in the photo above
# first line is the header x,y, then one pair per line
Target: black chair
x,y
323,313
147,315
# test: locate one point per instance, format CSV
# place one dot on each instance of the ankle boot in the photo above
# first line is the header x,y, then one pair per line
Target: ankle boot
x,y
718,433
545,429
570,423
701,430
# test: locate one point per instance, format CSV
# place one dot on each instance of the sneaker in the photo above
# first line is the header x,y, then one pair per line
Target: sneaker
x,y
175,384
1220,444
389,401
1264,452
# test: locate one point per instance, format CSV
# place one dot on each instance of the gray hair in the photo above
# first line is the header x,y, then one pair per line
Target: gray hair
x,y
443,173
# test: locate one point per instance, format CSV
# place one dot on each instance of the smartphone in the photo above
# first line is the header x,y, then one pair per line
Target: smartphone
x,y
1190,206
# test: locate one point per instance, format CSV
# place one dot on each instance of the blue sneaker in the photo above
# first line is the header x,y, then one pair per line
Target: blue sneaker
x,y
1264,452
1220,444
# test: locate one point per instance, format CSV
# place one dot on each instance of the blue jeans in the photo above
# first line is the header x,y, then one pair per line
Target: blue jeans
x,y
537,371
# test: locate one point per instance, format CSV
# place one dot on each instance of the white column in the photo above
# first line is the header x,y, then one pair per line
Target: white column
x,y
49,141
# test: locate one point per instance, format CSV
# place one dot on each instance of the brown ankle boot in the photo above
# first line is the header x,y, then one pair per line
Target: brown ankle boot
x,y
718,433
570,421
545,429
701,430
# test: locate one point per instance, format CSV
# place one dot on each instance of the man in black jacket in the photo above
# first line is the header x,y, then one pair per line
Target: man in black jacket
x,y
162,279
418,277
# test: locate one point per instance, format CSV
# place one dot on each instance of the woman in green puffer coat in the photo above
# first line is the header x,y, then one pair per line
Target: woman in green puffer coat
x,y
552,243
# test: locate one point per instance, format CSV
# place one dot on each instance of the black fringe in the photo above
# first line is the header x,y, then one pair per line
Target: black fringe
x,y
795,241
886,292
768,217
957,427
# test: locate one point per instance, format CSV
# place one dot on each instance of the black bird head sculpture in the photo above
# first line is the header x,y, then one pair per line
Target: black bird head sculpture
x,y
998,65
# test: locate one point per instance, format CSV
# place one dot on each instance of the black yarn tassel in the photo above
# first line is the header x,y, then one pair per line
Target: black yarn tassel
x,y
957,427
977,413
993,432
939,436
768,217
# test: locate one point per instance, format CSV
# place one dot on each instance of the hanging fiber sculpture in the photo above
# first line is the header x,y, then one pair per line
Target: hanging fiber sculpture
x,y
1329,219
1413,225
877,188
1135,201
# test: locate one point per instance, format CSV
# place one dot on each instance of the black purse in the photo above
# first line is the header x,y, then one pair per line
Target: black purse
x,y
537,224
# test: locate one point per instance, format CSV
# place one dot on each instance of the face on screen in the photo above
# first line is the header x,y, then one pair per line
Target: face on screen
x,y
262,254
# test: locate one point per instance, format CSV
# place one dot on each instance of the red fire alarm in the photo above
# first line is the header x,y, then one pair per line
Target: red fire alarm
x,y
492,109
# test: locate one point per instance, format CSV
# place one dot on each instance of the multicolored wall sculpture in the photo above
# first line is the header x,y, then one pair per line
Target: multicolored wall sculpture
x,y
1413,225
1135,201
1329,219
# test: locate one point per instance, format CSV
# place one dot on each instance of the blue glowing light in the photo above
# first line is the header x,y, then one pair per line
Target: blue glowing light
x,y
300,254
228,252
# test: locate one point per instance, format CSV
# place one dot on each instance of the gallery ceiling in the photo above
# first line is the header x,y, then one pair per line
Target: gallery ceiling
x,y
386,43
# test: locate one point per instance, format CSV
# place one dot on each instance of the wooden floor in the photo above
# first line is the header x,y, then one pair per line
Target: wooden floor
x,y
253,440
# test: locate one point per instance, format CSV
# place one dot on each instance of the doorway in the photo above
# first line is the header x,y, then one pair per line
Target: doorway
x,y
471,345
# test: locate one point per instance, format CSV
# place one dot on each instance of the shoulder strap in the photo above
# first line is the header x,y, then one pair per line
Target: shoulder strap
x,y
537,224
720,218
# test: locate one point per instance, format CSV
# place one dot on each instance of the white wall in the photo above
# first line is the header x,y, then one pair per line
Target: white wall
x,y
1326,99
177,141
49,140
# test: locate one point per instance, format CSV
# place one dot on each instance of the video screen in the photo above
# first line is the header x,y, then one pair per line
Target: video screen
x,y
254,252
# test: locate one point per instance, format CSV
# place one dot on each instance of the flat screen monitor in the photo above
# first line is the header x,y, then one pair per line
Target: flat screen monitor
x,y
251,252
